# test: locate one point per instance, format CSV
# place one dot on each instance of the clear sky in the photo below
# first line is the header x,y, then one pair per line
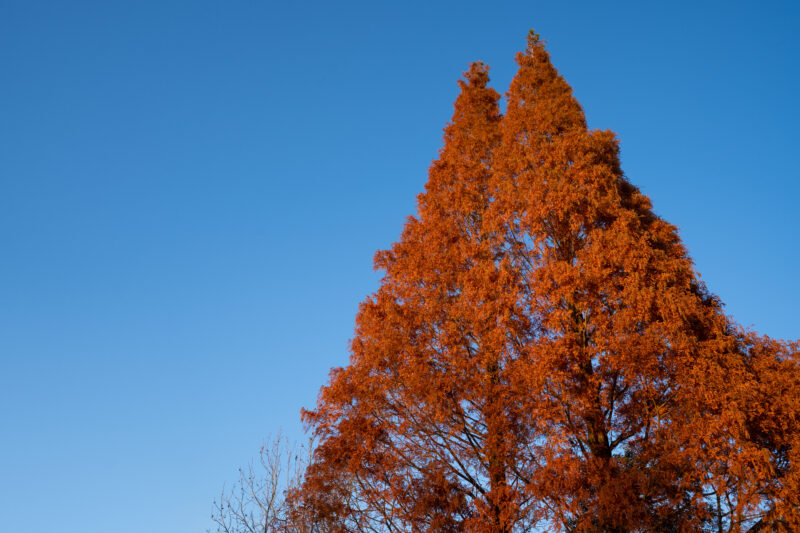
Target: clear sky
x,y
191,193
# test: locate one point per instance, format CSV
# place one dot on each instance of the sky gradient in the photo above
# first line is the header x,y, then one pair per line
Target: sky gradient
x,y
191,194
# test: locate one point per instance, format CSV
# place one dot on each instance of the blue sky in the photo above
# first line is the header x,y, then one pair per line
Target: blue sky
x,y
191,194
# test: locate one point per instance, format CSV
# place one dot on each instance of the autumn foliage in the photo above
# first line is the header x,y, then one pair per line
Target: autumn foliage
x,y
541,354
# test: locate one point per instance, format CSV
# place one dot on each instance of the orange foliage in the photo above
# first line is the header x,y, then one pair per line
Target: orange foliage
x,y
541,354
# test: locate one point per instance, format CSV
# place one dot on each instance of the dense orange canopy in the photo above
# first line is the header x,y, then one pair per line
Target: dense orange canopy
x,y
541,354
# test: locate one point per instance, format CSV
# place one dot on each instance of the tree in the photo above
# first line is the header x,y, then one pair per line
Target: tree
x,y
542,355
257,503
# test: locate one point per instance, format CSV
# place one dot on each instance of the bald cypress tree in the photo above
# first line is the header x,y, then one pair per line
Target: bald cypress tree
x,y
542,355
416,422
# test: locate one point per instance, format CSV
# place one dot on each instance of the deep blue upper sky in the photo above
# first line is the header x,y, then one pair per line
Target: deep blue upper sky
x,y
191,194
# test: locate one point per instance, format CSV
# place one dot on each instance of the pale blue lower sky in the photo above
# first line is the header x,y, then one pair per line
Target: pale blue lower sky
x,y
191,194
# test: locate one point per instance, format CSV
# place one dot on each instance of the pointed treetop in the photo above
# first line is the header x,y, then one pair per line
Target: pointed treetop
x,y
477,75
539,99
476,96
534,39
470,136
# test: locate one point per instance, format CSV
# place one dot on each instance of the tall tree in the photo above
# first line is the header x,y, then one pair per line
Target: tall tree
x,y
417,421
542,355
621,320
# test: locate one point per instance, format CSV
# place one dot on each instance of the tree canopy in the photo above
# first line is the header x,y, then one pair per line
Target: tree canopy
x,y
542,355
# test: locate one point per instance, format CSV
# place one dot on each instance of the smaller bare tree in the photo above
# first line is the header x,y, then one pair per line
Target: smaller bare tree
x,y
256,503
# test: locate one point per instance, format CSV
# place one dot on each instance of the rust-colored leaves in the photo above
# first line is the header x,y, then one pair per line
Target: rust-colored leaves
x,y
542,355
